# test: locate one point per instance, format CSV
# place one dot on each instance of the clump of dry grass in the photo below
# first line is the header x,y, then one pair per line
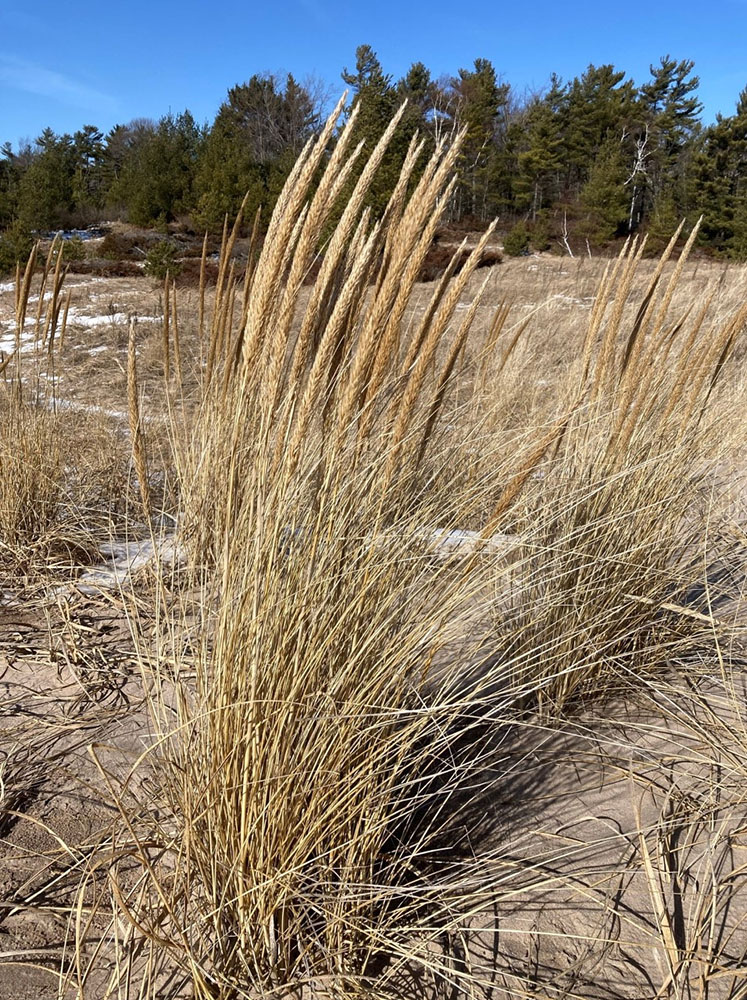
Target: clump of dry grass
x,y
63,476
64,487
613,568
296,860
31,486
340,714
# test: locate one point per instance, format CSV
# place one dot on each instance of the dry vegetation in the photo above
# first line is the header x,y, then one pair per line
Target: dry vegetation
x,y
424,676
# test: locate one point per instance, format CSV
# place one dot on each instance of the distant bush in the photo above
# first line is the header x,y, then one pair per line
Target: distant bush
x,y
490,257
102,268
74,249
117,246
439,257
162,260
188,275
516,241
15,245
539,236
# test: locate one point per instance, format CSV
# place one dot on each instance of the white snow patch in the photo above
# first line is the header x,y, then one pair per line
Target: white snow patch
x,y
8,343
73,404
76,318
447,542
584,303
122,559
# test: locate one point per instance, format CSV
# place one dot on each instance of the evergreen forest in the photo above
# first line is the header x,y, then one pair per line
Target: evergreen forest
x,y
582,164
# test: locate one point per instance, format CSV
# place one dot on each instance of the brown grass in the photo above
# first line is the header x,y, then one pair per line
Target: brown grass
x,y
431,539
312,488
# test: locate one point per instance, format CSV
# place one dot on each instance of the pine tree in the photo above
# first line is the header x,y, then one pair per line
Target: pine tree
x,y
10,175
257,134
668,123
157,174
121,145
377,100
45,191
719,182
88,178
421,93
538,181
603,199
599,105
480,103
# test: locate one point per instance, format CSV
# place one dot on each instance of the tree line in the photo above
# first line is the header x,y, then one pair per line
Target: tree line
x,y
591,159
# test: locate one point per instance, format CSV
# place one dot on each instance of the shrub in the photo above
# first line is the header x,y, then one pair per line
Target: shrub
x,y
516,242
74,249
103,268
15,246
161,260
191,269
439,258
117,246
540,235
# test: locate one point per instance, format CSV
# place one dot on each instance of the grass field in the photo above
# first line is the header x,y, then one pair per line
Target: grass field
x,y
372,637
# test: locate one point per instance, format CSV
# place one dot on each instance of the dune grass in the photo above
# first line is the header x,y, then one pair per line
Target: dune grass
x,y
393,567
353,679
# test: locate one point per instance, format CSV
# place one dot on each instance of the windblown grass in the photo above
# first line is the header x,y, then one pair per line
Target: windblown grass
x,y
612,573
63,479
399,559
353,681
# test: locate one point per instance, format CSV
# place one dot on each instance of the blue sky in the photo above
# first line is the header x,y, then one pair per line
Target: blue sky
x,y
66,65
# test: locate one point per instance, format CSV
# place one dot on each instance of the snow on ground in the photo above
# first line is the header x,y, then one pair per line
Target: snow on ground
x,y
8,342
77,406
122,559
446,542
585,303
76,318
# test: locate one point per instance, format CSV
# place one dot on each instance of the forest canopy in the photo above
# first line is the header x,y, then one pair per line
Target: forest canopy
x,y
595,158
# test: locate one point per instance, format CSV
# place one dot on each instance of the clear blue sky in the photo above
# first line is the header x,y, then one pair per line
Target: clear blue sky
x,y
66,65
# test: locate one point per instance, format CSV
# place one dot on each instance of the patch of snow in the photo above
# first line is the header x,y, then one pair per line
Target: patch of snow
x,y
76,318
86,284
439,543
447,542
7,286
8,343
73,404
122,559
85,235
560,297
